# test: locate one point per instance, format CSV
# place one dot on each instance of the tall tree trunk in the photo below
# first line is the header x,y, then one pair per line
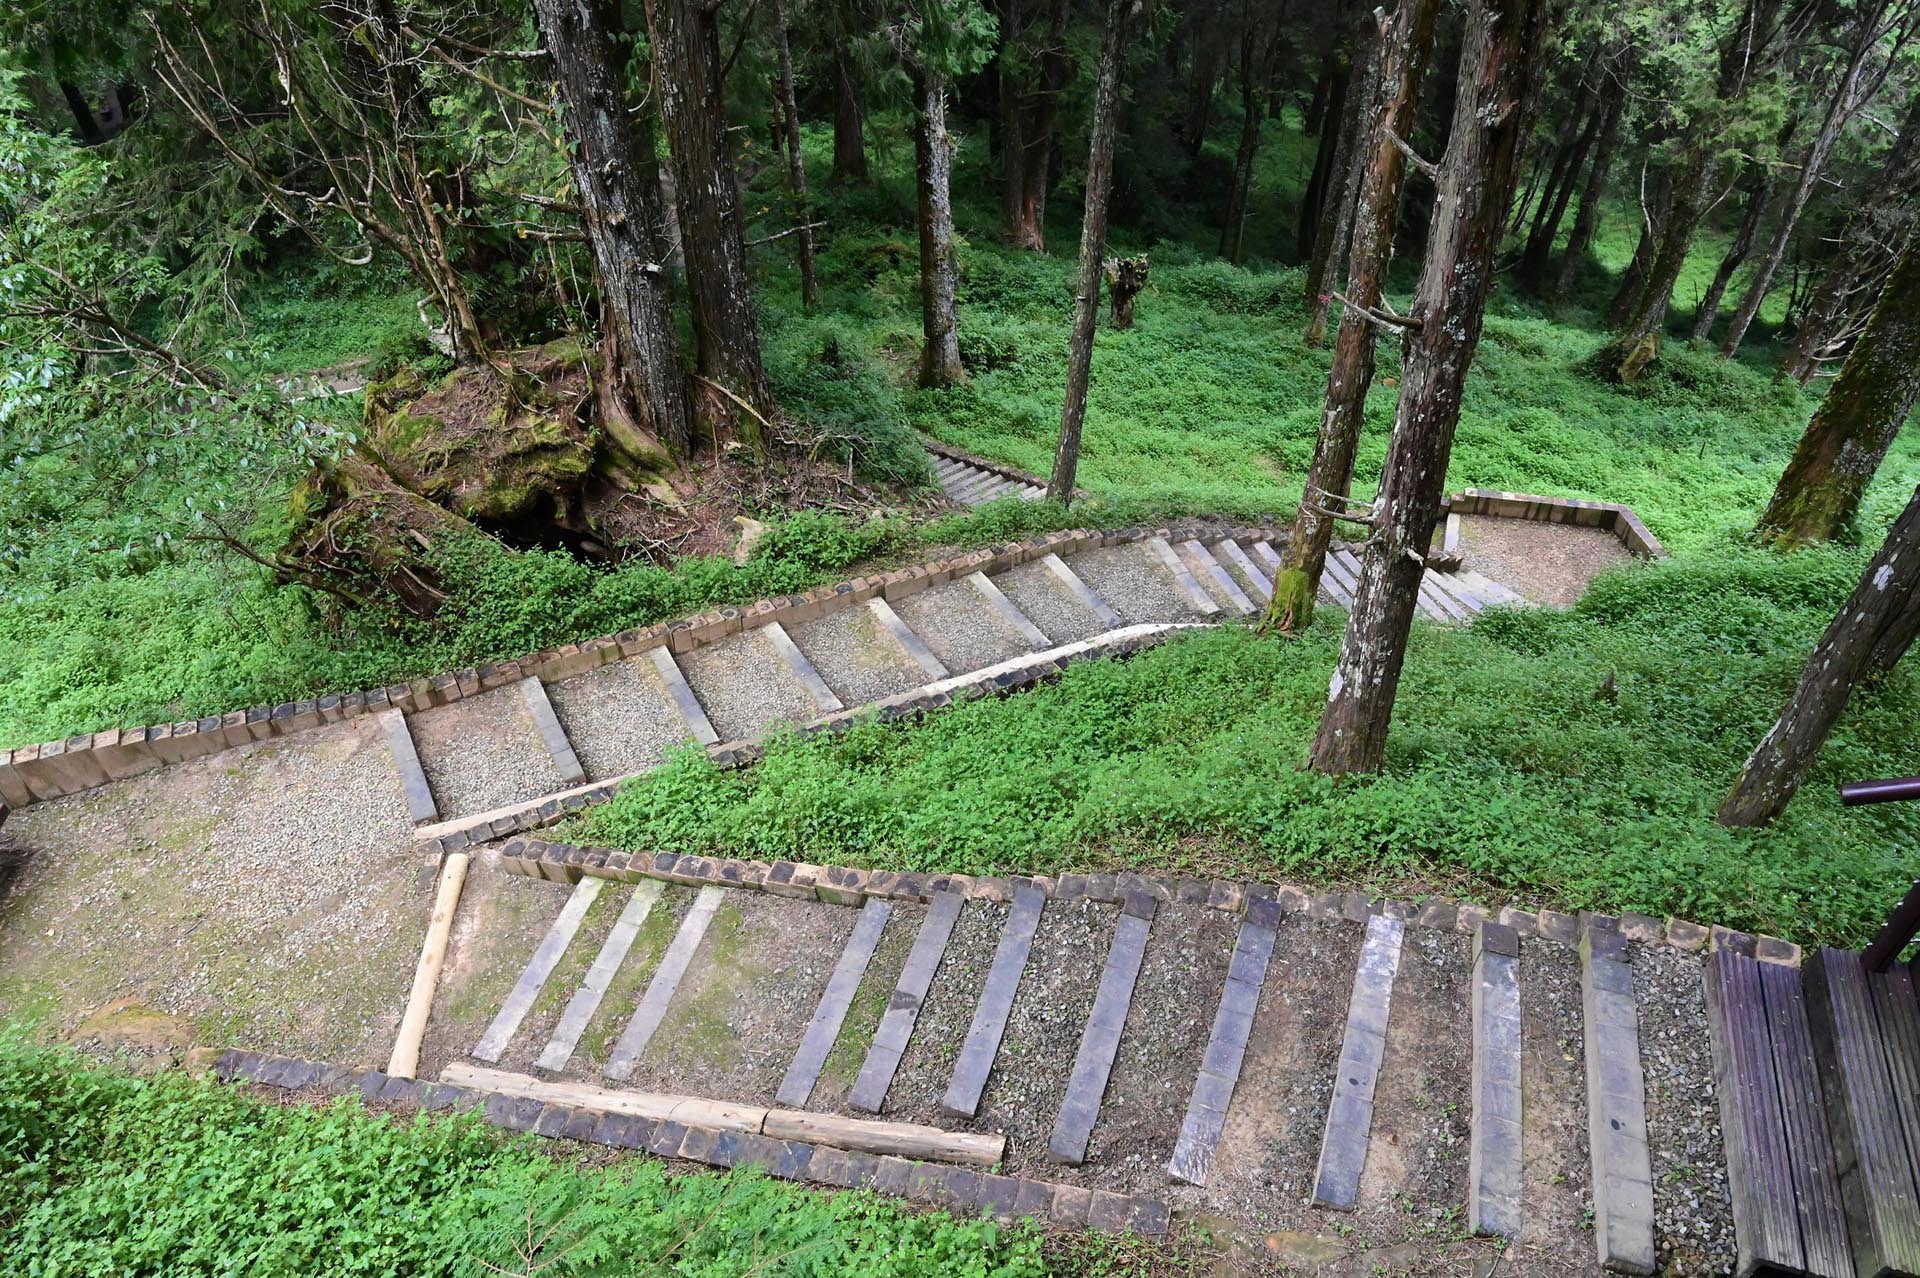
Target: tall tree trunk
x,y
1847,99
1255,56
1633,280
620,203
849,110
1204,51
1476,180
1587,220
1392,109
1870,632
1030,92
796,163
85,123
1758,189
1352,157
1554,200
939,261
1093,248
1852,429
686,50
1333,119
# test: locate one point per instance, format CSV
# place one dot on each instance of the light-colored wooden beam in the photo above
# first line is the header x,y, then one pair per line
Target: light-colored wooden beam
x,y
405,1061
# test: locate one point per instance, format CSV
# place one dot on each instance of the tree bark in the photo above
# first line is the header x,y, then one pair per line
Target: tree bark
x,y
1758,189
1126,276
1333,118
1394,106
85,123
1554,200
1203,73
686,50
1847,99
620,204
1871,631
939,261
1842,447
796,163
1587,220
849,111
1502,41
1093,248
1257,52
1633,280
1352,157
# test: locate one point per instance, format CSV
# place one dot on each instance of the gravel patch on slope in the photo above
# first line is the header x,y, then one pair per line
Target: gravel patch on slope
x,y
1038,593
961,627
618,718
858,661
1693,1219
481,753
1134,583
1548,563
941,1030
744,686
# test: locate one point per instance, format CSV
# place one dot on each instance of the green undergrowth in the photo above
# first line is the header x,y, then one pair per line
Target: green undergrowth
x,y
108,1173
1569,759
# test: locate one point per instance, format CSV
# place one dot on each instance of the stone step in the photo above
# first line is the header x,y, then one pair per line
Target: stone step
x,y
1215,578
962,629
553,946
490,749
891,1038
1206,1115
1868,1115
982,1044
797,1088
745,687
1134,584
910,643
1494,1161
606,964
619,717
1200,601
406,761
1343,1143
1491,593
566,763
685,703
1018,621
1339,576
1781,1173
1100,1040
1258,584
825,700
852,654
1616,1105
666,980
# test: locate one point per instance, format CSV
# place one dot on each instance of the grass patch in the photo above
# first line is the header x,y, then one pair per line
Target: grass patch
x,y
1571,759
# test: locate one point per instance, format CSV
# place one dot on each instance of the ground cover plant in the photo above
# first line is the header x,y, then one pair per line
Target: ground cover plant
x,y
107,1172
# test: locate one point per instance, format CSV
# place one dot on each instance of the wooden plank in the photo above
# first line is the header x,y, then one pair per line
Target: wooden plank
x,y
962,1099
1081,591
634,1038
1816,1178
1436,604
533,978
1206,1115
1008,611
682,693
413,778
405,1060
694,1111
613,952
1267,555
903,634
890,1040
873,1136
1343,1143
1616,1106
1338,577
1870,1149
1197,599
1493,1143
1899,1017
1100,1040
1210,569
1261,583
534,694
1489,590
804,1070
802,667
1766,1213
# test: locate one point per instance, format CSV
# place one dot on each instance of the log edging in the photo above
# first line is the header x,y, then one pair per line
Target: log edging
x,y
961,1190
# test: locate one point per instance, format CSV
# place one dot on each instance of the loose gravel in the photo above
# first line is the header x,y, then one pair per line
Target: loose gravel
x,y
270,894
859,663
1134,583
744,686
961,627
1548,563
618,717
1693,1218
481,753
1556,1234
941,1029
1038,593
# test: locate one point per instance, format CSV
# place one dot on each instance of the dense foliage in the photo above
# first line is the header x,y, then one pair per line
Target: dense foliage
x,y
106,1174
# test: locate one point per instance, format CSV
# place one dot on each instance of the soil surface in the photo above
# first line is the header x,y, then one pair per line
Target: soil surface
x,y
1548,563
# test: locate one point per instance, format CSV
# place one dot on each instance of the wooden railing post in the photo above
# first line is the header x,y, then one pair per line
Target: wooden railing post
x,y
1903,922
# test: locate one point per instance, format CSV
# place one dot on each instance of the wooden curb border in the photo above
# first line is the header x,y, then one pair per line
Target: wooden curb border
x,y
1612,516
961,1190
52,769
844,885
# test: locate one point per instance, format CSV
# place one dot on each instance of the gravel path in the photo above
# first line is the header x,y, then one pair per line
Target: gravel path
x,y
744,686
1556,1193
1693,1220
1134,584
618,718
1548,563
941,1029
961,627
268,895
1038,593
482,753
858,662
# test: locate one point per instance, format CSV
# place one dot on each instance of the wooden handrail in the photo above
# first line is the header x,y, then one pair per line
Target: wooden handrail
x,y
1855,793
1903,921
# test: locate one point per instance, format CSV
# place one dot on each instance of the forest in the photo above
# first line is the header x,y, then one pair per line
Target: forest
x,y
349,342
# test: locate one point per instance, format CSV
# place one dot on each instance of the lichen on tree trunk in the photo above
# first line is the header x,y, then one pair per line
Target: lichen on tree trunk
x,y
939,261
